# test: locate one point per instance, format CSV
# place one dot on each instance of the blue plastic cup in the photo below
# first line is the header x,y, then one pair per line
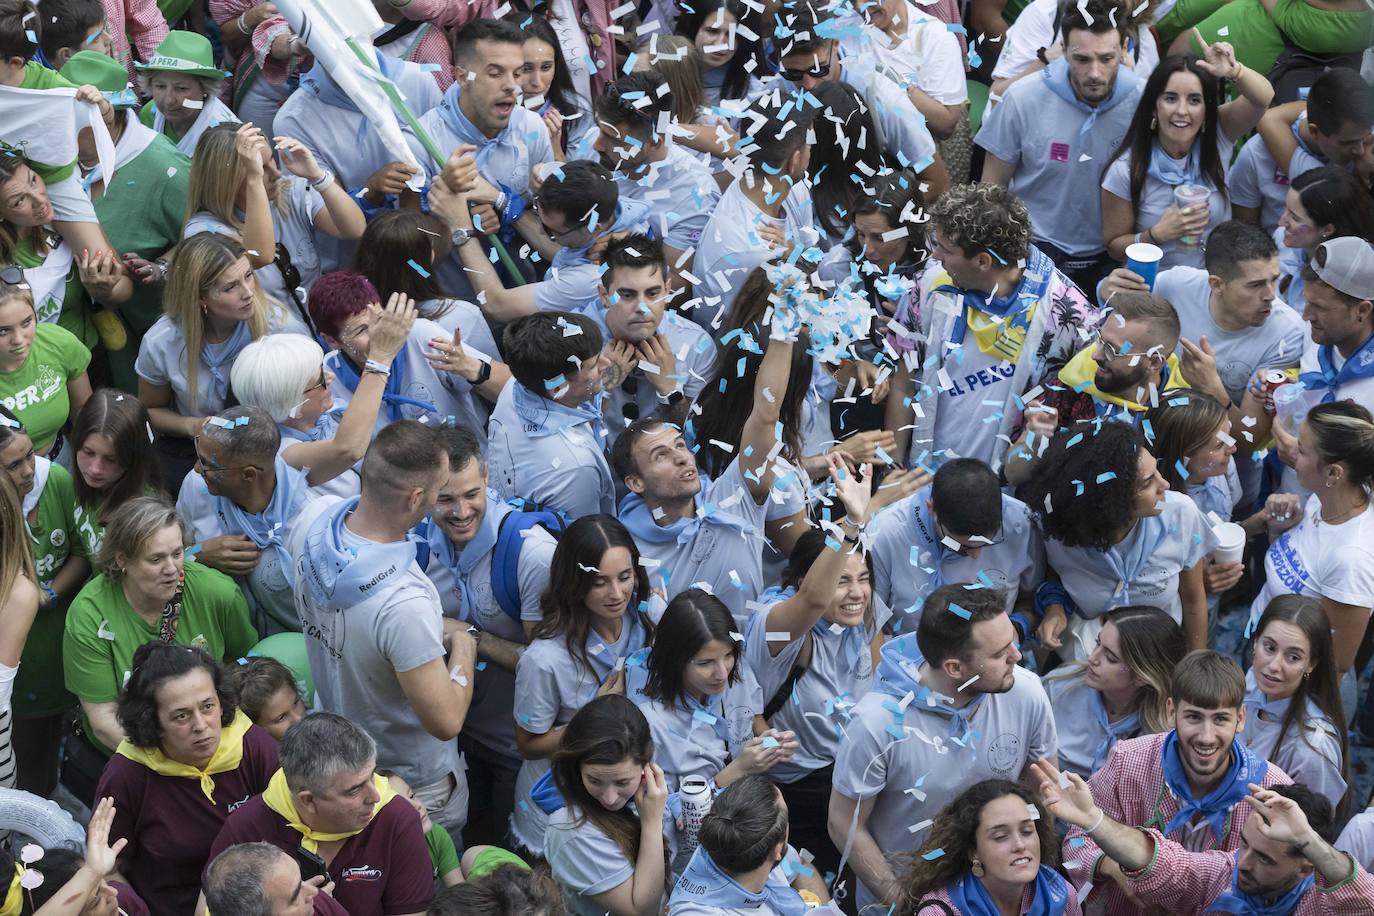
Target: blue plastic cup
x,y
1143,258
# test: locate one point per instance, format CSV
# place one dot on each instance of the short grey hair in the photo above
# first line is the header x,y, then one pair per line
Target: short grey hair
x,y
211,85
129,528
234,882
245,433
273,372
320,747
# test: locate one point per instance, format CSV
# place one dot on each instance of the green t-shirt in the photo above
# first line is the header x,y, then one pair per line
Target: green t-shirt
x,y
103,631
88,528
442,853
36,392
73,310
37,76
38,689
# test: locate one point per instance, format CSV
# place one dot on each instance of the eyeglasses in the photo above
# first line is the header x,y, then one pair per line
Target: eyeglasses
x,y
1110,349
962,549
203,467
318,385
12,275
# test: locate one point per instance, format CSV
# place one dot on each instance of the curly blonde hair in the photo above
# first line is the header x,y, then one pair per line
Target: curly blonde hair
x,y
984,217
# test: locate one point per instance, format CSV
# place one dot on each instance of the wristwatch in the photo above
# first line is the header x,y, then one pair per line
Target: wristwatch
x,y
483,373
460,238
671,398
1040,55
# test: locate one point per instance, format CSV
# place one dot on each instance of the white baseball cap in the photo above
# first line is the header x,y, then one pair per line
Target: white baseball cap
x,y
1346,265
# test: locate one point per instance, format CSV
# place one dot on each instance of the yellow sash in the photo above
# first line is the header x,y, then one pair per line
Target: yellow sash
x,y
996,337
14,897
1079,374
227,757
282,800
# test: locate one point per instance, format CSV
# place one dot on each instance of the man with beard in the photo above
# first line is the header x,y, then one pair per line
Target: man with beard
x,y
1119,376
1001,320
658,360
469,537
949,707
1052,132
1188,783
631,141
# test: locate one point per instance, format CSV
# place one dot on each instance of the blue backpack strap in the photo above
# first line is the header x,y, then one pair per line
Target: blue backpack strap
x,y
505,559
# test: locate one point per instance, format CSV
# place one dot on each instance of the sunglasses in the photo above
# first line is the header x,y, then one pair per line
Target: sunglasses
x,y
819,71
14,276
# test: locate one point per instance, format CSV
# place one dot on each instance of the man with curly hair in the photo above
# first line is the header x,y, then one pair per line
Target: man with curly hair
x,y
999,320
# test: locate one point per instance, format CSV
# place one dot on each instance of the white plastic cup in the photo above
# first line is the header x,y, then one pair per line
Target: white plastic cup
x,y
1289,406
1191,195
1231,543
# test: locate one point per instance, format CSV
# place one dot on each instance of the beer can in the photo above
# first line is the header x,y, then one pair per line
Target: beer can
x,y
695,795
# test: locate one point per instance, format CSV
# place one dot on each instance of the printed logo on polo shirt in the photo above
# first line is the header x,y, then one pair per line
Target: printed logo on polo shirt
x,y
1152,581
1005,754
362,873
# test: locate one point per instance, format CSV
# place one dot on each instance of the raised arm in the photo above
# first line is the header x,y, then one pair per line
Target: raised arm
x,y
1068,798
1254,92
1276,132
760,430
496,301
259,237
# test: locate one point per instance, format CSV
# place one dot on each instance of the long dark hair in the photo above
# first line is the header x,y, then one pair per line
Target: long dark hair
x,y
955,831
746,49
1140,138
1182,423
122,419
576,563
845,152
724,403
1077,458
1322,686
804,554
1334,197
394,241
692,619
562,94
607,731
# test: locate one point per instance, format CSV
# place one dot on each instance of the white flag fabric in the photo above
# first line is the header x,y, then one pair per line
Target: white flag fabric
x,y
41,125
325,26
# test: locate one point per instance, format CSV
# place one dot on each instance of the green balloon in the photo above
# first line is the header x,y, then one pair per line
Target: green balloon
x,y
289,649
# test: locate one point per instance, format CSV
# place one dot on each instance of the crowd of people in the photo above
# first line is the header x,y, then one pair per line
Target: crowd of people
x,y
718,458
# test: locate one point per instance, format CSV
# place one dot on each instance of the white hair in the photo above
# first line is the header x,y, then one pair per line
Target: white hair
x,y
273,372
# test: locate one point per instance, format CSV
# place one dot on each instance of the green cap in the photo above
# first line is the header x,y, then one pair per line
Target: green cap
x,y
89,68
184,52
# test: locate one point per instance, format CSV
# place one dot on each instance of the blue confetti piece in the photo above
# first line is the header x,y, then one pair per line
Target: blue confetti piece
x,y
701,715
557,381
932,855
962,612
1106,476
768,740
191,551
896,732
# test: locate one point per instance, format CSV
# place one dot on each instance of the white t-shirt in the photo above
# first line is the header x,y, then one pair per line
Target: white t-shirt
x,y
1257,181
1034,29
927,55
1321,560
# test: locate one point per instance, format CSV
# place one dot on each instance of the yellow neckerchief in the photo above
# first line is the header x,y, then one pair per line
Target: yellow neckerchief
x,y
996,337
14,897
282,800
227,757
1080,371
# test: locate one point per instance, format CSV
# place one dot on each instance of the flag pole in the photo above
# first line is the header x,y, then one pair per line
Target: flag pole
x,y
428,143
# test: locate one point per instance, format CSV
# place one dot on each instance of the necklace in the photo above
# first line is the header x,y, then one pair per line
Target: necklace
x,y
1346,515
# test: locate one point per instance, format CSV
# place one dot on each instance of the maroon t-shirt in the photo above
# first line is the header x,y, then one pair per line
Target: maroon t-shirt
x,y
326,905
383,871
170,824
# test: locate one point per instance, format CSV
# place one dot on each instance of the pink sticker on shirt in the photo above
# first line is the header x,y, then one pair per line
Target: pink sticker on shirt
x,y
1059,152
1280,178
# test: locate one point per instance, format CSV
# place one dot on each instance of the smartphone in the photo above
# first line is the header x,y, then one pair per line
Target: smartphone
x,y
311,865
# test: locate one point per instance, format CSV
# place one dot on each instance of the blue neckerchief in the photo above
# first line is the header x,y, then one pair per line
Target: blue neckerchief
x,y
634,514
342,577
217,358
1173,173
628,215
1297,135
1016,306
704,884
1216,807
971,898
325,428
853,639
543,417
1360,365
898,674
602,655
1057,81
1212,495
462,564
266,529
545,795
1152,533
392,398
454,119
1242,904
318,82
712,718
1113,732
